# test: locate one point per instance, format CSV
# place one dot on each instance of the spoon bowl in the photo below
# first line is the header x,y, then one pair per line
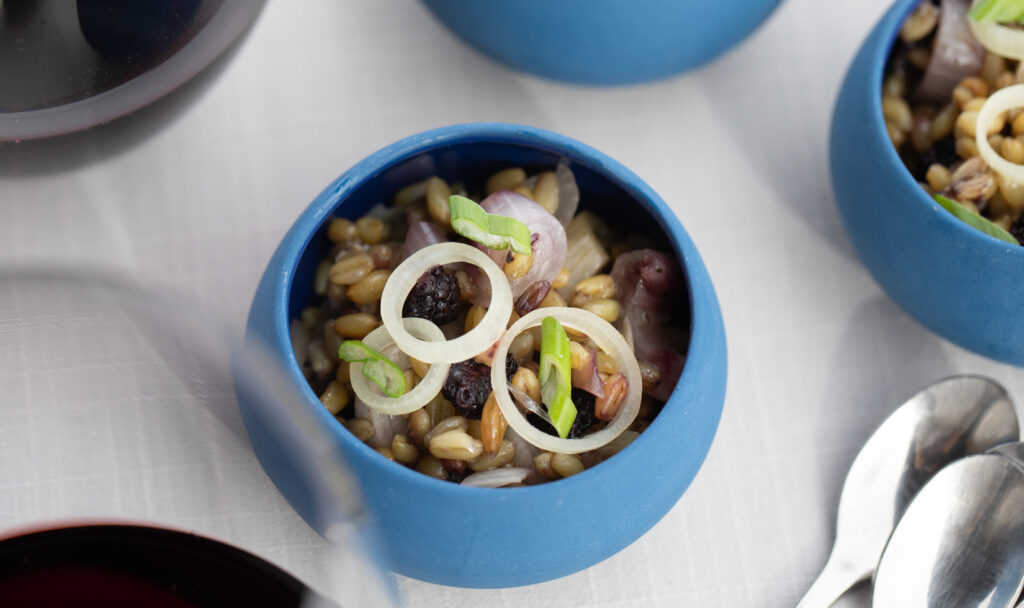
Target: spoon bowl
x,y
946,421
960,542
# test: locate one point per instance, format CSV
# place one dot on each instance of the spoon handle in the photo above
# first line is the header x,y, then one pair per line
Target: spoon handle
x,y
835,579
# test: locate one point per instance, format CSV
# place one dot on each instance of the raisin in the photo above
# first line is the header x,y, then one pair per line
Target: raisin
x,y
455,470
585,418
511,365
540,423
1017,229
436,297
942,152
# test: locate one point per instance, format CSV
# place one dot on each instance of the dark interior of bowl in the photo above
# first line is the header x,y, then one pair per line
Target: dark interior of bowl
x,y
472,164
125,565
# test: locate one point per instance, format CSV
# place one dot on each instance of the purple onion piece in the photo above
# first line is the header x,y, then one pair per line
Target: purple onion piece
x,y
956,54
587,378
385,426
420,235
482,283
548,246
525,451
568,194
647,284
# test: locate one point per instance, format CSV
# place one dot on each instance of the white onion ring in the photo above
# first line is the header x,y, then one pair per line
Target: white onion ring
x,y
496,478
1002,100
999,39
421,394
607,339
401,282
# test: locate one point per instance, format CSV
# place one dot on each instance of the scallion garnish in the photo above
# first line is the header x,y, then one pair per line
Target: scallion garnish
x,y
555,375
493,231
974,220
997,11
376,367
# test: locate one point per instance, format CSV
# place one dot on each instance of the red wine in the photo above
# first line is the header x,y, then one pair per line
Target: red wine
x,y
111,566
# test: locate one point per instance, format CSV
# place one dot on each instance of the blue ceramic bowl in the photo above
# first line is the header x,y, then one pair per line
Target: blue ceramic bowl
x,y
963,285
474,537
603,42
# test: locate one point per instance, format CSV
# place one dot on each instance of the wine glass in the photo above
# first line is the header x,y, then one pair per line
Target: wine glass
x,y
126,477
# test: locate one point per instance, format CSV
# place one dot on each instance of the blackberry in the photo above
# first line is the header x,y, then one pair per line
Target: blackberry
x,y
469,384
1017,229
467,387
435,297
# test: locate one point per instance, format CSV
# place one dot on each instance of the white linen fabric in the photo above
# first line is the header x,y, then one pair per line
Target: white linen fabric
x,y
196,191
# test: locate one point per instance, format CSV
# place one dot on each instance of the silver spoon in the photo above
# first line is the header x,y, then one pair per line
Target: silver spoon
x,y
960,542
950,419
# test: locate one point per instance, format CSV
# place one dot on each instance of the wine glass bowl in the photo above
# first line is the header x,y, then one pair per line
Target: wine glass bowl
x,y
125,464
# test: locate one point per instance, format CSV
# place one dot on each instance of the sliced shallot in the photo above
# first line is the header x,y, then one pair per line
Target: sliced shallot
x,y
385,426
587,378
568,194
956,54
525,451
496,478
548,245
420,235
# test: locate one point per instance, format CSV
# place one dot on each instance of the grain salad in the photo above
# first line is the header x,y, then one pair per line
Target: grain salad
x,y
510,341
953,104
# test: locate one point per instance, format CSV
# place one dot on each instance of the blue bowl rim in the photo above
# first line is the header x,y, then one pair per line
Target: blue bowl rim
x,y
304,229
889,26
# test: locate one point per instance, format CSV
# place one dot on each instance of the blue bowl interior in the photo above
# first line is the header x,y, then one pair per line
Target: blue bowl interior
x,y
471,163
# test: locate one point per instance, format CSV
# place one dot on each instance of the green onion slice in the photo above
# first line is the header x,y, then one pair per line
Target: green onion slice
x,y
492,231
555,375
376,367
997,11
974,220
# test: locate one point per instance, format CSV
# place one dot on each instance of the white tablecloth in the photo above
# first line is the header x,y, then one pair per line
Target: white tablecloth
x,y
196,191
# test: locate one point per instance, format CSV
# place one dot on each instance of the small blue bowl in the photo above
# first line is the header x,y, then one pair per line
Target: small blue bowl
x,y
603,42
473,537
962,284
